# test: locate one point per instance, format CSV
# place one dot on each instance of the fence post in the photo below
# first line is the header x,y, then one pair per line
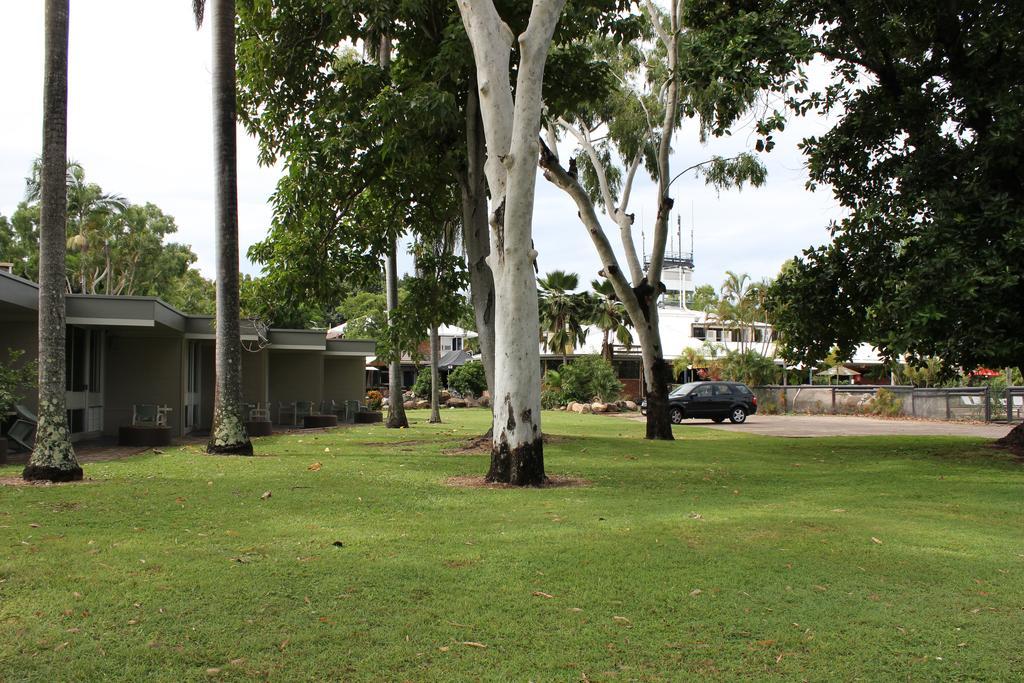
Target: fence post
x,y
833,400
988,404
949,413
913,401
1009,406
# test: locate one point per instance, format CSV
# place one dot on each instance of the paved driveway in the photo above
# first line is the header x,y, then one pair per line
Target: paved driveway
x,y
850,425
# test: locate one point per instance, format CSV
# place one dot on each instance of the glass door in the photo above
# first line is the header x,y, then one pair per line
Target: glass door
x,y
193,384
84,380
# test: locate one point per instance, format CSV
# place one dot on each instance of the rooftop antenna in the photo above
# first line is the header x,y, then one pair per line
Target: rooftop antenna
x,y
693,224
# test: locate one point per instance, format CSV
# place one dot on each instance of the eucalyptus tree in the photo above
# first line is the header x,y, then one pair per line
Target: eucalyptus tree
x,y
631,131
53,457
227,433
324,117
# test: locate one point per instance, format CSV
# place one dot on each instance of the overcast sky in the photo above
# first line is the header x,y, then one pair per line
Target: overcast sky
x,y
140,123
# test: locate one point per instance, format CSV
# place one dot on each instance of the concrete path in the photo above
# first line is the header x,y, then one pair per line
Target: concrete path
x,y
850,425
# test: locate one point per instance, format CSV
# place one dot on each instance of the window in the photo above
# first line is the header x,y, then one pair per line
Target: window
x,y
736,335
723,390
703,391
456,343
699,332
758,335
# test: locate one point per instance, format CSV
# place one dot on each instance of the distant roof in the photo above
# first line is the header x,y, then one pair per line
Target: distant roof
x,y
454,358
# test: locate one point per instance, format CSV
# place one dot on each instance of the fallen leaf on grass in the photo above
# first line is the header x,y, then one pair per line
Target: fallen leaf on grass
x,y
34,525
542,594
315,467
622,620
838,510
443,648
266,494
338,544
695,592
875,540
473,643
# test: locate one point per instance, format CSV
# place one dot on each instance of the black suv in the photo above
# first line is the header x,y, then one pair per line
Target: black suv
x,y
711,400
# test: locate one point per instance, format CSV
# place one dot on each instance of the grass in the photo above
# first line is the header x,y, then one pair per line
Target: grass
x,y
718,556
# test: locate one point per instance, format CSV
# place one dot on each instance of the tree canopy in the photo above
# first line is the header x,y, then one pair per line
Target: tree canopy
x,y
925,156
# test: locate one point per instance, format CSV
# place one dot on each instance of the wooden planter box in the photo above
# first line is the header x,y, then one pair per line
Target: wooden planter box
x,y
259,428
312,421
369,417
144,436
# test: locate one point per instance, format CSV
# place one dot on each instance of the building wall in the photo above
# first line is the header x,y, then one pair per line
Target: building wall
x,y
295,376
141,370
254,376
24,336
344,378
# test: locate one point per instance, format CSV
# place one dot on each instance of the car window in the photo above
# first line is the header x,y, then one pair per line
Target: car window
x,y
683,389
723,390
741,389
702,391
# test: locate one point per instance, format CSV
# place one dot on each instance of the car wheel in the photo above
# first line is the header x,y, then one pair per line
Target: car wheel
x,y
738,415
716,420
675,414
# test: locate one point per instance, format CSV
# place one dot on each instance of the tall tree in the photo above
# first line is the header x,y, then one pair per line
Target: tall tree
x,y
637,130
227,434
511,125
925,154
53,458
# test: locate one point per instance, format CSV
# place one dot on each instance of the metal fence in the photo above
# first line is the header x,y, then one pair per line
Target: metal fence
x,y
947,403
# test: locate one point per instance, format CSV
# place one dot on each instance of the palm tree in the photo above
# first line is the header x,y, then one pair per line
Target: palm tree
x,y
609,315
562,313
89,223
227,434
53,458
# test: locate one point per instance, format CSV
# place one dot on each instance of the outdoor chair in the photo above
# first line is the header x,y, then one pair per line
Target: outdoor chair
x,y
285,408
258,412
149,415
23,433
330,407
304,408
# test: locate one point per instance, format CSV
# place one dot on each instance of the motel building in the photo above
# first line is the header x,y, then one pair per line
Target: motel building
x,y
124,351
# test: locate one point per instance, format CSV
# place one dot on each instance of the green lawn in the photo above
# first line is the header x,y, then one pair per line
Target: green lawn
x,y
717,556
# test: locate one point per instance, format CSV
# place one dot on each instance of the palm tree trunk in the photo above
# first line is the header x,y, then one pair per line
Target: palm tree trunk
x,y
396,406
53,458
227,434
435,376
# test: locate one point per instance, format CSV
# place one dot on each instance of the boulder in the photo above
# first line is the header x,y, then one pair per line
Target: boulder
x,y
456,403
422,404
484,401
613,408
598,407
409,405
630,406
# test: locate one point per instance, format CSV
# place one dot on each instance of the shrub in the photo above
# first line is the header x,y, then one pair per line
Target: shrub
x,y
469,379
749,367
885,403
14,379
421,387
374,400
551,390
587,378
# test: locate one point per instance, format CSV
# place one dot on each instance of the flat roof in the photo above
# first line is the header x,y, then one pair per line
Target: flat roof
x,y
19,296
